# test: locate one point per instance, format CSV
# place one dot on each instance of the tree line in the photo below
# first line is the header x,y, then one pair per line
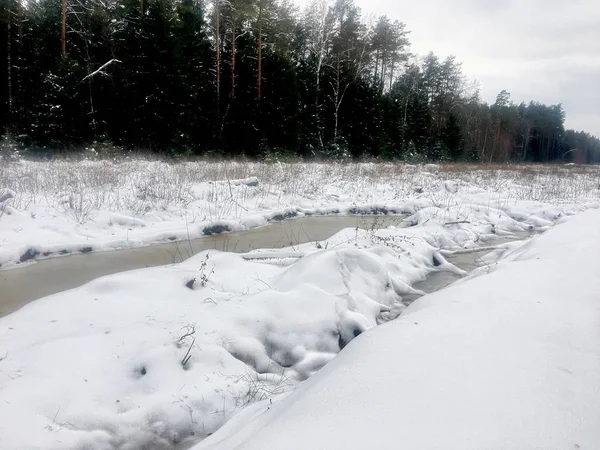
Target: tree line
x,y
253,77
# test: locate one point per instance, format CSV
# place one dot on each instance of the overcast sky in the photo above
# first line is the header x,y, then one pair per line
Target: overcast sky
x,y
543,50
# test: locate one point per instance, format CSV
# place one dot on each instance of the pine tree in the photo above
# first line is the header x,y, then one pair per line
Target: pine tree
x,y
253,77
452,138
148,87
195,96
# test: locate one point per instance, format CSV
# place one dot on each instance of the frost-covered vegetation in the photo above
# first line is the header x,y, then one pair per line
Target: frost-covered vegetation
x,y
65,206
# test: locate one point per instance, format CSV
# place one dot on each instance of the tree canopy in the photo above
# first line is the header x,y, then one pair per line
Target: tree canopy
x,y
254,77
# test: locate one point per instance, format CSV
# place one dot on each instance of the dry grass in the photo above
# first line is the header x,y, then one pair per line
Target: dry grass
x,y
538,182
137,186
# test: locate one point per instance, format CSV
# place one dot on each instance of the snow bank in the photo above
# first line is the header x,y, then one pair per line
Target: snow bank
x,y
161,358
510,360
61,207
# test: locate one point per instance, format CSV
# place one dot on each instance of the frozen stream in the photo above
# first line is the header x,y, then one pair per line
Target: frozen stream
x,y
49,276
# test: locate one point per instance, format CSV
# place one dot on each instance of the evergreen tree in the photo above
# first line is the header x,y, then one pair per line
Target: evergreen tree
x,y
195,96
148,78
452,138
252,77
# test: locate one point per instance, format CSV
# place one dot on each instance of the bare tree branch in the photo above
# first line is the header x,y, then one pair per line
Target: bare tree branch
x,y
99,70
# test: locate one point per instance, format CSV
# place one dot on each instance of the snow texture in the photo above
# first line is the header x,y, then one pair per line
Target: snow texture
x,y
506,361
162,358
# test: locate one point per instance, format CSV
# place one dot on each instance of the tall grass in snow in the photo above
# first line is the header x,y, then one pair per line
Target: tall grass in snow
x,y
139,187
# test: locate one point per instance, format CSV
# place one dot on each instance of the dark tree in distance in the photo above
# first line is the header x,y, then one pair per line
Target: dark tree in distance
x,y
253,77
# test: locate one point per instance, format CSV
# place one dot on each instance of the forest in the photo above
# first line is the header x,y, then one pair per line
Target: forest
x,y
258,78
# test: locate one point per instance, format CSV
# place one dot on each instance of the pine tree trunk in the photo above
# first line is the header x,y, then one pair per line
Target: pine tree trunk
x,y
18,76
318,89
9,62
337,100
377,66
63,33
392,74
259,87
233,58
91,93
218,54
382,80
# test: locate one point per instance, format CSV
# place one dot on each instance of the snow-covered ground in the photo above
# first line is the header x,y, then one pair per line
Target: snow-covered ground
x,y
162,358
62,207
505,361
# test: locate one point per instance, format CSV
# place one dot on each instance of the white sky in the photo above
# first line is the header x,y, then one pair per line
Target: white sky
x,y
542,50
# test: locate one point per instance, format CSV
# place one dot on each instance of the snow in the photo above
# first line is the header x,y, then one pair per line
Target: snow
x,y
510,360
163,358
102,365
6,194
62,207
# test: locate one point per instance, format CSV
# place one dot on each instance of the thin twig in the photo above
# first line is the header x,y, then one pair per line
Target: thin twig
x,y
457,222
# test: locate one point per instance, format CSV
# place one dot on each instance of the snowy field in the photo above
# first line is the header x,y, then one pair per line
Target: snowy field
x,y
63,207
210,351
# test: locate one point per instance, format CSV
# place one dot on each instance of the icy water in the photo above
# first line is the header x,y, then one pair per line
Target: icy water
x,y
49,276
439,280
466,261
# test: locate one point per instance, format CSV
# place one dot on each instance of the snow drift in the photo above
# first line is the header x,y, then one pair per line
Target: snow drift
x,y
510,360
161,358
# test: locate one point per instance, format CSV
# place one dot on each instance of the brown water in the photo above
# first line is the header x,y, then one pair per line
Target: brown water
x,y
466,261
49,276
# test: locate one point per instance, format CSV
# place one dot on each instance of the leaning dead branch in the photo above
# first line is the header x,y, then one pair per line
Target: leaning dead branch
x,y
101,68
